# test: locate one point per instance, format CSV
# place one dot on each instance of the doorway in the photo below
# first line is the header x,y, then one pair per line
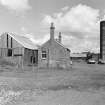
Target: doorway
x,y
34,57
9,53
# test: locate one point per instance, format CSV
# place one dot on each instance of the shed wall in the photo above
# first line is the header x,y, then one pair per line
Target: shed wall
x,y
3,42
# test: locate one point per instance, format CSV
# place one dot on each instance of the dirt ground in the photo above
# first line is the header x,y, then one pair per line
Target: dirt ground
x,y
83,84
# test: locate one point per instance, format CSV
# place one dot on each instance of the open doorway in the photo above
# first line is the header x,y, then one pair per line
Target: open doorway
x,y
9,53
34,57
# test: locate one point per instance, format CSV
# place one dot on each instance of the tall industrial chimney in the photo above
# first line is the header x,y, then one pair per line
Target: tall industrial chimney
x,y
102,40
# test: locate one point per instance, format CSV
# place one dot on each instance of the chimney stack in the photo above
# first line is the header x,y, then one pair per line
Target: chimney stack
x,y
52,28
60,38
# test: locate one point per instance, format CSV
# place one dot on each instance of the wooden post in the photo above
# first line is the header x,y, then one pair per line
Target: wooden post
x,y
48,59
22,62
22,52
20,65
33,61
19,62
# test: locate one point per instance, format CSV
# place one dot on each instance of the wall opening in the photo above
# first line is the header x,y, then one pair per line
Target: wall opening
x,y
33,60
34,57
9,52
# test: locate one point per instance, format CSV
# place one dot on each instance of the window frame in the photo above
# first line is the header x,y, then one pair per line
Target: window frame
x,y
44,54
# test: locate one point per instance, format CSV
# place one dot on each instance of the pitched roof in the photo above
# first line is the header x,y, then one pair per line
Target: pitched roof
x,y
61,44
57,43
24,41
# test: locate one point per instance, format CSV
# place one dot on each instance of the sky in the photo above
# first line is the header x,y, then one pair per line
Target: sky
x,y
77,20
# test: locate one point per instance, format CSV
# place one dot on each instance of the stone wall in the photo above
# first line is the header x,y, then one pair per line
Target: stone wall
x,y
57,55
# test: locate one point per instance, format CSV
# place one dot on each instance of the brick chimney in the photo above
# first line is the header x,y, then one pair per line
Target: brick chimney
x,y
60,38
52,28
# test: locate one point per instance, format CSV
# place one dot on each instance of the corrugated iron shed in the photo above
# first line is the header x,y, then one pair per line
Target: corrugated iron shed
x,y
24,41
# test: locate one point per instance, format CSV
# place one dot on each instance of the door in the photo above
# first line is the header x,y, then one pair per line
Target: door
x,y
34,57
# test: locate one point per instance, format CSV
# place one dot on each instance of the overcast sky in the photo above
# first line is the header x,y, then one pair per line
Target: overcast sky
x,y
78,20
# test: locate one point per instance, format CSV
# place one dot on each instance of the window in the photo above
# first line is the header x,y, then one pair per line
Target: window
x,y
44,54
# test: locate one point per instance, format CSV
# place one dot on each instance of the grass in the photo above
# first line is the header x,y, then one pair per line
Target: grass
x,y
82,80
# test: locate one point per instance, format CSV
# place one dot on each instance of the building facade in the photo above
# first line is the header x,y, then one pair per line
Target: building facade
x,y
102,40
18,49
53,53
21,50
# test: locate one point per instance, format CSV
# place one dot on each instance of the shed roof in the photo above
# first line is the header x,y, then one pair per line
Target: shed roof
x,y
24,41
78,55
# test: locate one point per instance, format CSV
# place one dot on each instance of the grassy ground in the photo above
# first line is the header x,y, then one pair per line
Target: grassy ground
x,y
83,84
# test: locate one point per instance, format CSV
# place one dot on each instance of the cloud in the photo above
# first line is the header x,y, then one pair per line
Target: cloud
x,y
39,41
65,8
24,29
81,44
35,40
16,5
80,25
